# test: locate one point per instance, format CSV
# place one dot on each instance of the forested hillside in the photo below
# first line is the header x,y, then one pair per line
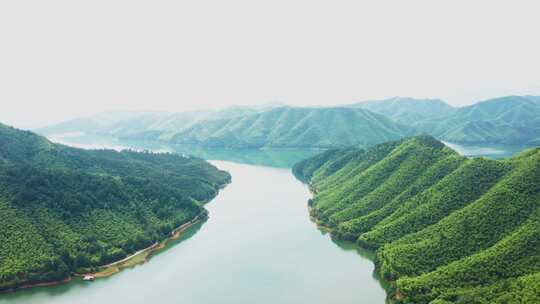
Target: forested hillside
x,y
296,127
447,229
64,209
510,120
119,123
505,120
152,126
406,110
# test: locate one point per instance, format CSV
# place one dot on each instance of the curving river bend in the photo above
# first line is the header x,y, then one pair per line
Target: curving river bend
x,y
258,246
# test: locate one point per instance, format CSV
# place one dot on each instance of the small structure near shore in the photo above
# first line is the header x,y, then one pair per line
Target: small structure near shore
x,y
88,277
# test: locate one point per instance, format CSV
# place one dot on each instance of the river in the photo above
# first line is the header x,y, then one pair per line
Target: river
x,y
258,246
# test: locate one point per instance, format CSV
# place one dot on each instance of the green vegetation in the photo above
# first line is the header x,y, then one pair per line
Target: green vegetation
x,y
291,127
446,229
64,209
511,120
246,127
151,126
406,110
505,120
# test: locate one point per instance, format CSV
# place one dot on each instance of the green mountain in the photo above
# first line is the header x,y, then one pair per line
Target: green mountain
x,y
146,125
65,210
510,120
447,229
406,110
505,120
108,123
167,127
295,127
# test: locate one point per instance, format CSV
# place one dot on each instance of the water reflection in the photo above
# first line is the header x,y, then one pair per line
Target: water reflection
x,y
277,158
495,151
258,245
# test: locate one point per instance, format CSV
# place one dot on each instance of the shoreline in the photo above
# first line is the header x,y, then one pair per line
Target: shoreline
x,y
140,257
129,256
391,297
35,285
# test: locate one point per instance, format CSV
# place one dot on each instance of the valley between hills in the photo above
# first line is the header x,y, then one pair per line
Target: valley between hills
x,y
442,227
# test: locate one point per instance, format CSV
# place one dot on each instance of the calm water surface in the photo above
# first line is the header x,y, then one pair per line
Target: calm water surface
x,y
283,158
495,151
272,157
258,246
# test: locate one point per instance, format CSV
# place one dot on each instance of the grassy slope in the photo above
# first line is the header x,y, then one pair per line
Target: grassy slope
x,y
63,209
445,227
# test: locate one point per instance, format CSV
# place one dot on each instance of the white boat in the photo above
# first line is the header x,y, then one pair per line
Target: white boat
x,y
88,277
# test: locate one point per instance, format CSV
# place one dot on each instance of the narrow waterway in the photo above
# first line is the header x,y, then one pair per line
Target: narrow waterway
x,y
258,246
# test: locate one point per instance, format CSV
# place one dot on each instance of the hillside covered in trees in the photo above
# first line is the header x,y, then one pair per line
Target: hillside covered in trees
x,y
406,110
447,229
151,126
64,209
512,120
504,120
509,120
295,127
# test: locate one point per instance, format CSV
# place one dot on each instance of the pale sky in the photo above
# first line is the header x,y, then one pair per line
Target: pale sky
x,y
62,59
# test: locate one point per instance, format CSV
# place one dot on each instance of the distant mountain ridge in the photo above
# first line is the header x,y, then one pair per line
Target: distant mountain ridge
x,y
294,127
136,124
505,120
112,123
406,110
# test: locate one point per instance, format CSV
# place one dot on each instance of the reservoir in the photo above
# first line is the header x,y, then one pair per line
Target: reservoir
x,y
258,246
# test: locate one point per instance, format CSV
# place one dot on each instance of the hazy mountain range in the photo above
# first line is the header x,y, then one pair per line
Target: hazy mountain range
x,y
296,127
504,120
509,120
407,110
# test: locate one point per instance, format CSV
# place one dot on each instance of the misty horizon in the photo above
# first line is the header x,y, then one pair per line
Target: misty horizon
x,y
41,124
61,60
246,151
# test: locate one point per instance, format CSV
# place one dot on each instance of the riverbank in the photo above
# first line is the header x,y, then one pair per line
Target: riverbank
x,y
41,284
240,255
393,294
137,258
142,256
